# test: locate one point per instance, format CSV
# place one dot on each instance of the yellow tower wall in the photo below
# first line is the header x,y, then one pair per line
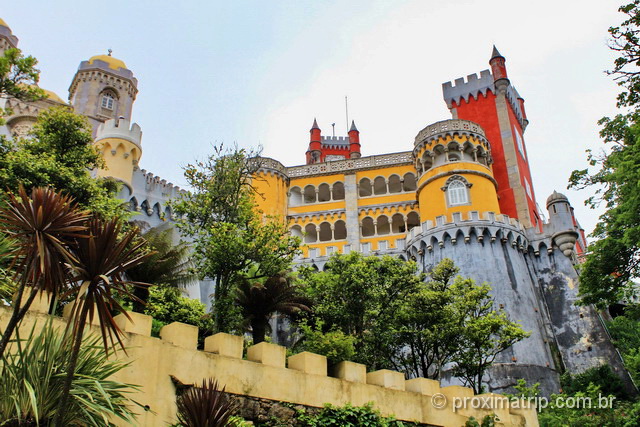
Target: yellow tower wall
x,y
433,200
120,157
271,197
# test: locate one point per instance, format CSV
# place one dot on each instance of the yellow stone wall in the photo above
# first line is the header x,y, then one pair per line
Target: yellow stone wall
x,y
433,200
271,197
266,373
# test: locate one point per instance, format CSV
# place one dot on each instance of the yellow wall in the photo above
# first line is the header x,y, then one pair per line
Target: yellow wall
x,y
155,361
482,194
273,188
120,164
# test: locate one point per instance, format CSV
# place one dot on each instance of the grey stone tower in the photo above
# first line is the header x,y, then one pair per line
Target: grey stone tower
x,y
103,88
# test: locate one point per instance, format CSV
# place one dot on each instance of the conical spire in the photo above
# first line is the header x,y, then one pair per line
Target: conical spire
x,y
353,126
495,53
315,125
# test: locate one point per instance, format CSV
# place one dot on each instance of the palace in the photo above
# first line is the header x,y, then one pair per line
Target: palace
x,y
462,190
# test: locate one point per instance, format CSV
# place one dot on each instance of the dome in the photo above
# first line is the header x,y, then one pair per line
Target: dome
x,y
53,96
557,197
3,24
114,63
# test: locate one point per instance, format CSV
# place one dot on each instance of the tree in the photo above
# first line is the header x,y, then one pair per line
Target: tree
x,y
433,320
614,259
98,277
362,296
44,227
486,334
169,264
18,78
60,155
230,236
259,300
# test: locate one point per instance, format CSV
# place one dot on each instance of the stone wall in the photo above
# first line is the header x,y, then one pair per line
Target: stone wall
x,y
266,374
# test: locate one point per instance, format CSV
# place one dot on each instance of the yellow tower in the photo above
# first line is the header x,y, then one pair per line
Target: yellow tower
x,y
453,160
120,144
272,185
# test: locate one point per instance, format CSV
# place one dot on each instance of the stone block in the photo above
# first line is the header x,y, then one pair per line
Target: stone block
x,y
422,386
40,303
137,324
386,378
180,335
309,363
66,314
456,391
267,354
350,371
224,345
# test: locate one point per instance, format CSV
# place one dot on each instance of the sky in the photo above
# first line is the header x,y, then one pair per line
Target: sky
x,y
257,73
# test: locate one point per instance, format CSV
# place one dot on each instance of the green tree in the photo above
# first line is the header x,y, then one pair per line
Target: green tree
x,y
261,299
60,155
168,264
485,334
433,320
18,78
362,296
231,238
614,258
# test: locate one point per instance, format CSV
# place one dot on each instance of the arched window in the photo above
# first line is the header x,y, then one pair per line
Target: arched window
x,y
457,193
108,100
366,189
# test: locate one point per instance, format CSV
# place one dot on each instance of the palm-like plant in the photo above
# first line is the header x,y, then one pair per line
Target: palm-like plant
x,y
33,375
168,265
44,225
259,301
101,262
205,406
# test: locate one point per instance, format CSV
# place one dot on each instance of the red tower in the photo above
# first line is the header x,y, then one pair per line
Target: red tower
x,y
493,103
331,148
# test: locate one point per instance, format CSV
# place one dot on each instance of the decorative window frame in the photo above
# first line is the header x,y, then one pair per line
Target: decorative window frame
x,y
451,180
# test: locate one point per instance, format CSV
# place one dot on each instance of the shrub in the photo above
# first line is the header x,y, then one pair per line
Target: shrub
x,y
335,345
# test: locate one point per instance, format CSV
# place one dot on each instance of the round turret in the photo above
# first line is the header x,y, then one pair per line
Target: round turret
x,y
453,160
103,89
119,141
272,185
556,198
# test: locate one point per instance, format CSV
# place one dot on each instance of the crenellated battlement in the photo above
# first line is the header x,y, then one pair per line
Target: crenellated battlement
x,y
475,86
461,228
120,129
472,87
335,141
266,373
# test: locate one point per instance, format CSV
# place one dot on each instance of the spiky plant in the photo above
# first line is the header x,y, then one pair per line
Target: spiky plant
x,y
32,379
99,272
168,265
259,301
44,225
205,406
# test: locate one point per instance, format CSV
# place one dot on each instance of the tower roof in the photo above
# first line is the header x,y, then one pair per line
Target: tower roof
x,y
315,125
556,197
112,62
353,126
496,53
3,23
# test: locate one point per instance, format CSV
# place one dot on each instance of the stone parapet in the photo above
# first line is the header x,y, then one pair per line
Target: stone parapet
x,y
341,166
155,363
